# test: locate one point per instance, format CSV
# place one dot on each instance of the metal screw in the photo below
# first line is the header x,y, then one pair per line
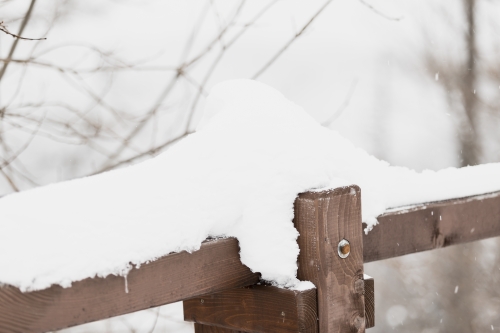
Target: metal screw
x,y
344,249
202,300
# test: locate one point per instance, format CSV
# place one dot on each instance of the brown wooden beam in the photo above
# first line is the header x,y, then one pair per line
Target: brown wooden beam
x,y
215,267
259,309
433,225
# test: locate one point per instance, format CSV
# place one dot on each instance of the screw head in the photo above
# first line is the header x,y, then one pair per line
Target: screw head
x,y
202,301
344,248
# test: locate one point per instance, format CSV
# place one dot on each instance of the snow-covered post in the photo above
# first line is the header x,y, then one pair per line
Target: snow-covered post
x,y
331,255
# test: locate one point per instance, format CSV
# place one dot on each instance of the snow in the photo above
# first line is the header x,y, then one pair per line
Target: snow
x,y
303,285
238,175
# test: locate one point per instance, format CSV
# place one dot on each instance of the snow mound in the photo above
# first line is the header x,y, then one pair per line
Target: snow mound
x,y
238,175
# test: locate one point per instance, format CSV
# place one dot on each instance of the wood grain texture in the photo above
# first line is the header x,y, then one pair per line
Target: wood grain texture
x,y
259,309
433,225
215,267
369,301
323,219
200,328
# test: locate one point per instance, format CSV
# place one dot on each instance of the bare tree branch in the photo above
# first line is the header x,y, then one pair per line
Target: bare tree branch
x,y
99,125
14,45
200,87
168,89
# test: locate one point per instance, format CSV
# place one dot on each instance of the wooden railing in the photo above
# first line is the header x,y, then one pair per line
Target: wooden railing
x,y
222,295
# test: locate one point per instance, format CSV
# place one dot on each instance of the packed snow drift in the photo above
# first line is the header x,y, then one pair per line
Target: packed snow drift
x,y
238,175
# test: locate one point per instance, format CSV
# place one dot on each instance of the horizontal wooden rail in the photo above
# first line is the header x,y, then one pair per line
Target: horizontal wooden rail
x,y
258,309
263,309
215,267
432,226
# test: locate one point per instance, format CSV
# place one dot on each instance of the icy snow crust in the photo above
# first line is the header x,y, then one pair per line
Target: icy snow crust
x,y
238,175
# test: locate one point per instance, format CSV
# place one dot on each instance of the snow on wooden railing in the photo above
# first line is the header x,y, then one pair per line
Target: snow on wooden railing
x,y
175,277
212,277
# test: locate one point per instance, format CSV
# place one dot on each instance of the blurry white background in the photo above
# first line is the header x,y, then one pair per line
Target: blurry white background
x,y
416,83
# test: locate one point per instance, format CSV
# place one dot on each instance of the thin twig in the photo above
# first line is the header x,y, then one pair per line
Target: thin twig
x,y
195,31
97,69
150,152
211,44
202,88
156,320
12,158
378,12
4,29
342,106
290,42
9,180
211,69
143,122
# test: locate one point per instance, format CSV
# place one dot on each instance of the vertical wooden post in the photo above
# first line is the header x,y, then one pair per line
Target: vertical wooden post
x,y
323,219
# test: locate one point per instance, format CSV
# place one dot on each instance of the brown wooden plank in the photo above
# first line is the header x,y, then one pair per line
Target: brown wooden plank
x,y
323,219
369,301
259,309
247,304
200,328
433,225
215,267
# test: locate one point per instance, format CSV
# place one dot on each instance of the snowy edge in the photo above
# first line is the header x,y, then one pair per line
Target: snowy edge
x,y
454,201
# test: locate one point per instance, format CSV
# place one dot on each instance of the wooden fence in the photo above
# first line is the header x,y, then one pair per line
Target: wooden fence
x,y
221,295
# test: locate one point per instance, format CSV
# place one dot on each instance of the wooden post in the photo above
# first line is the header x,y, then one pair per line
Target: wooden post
x,y
323,219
